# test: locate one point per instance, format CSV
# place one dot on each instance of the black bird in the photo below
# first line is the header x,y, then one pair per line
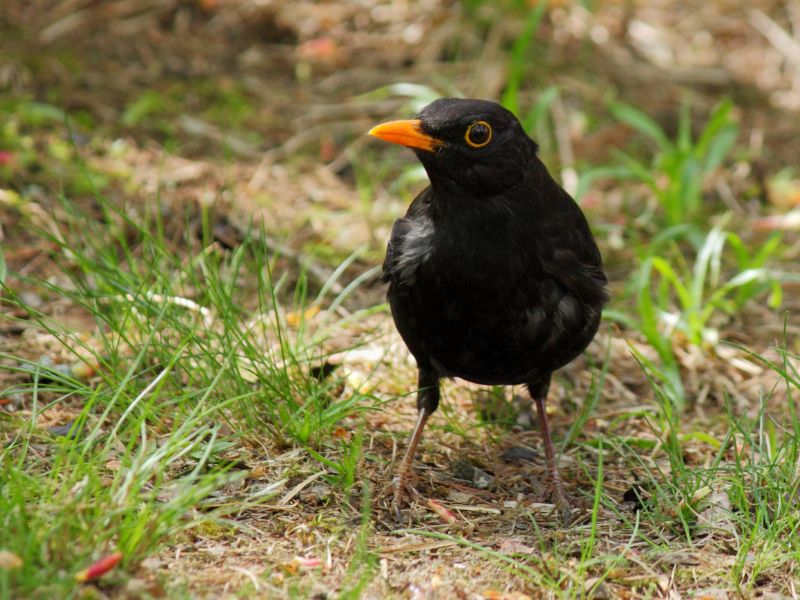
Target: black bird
x,y
493,273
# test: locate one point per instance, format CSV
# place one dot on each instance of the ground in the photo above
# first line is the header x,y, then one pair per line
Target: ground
x,y
197,367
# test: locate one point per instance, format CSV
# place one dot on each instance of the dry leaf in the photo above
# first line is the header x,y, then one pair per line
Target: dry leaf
x,y
294,318
444,514
9,561
498,595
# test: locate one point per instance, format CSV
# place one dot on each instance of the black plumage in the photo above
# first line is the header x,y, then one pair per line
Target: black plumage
x,y
493,273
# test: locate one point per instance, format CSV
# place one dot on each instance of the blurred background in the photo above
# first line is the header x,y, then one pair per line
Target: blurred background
x,y
281,93
281,88
296,84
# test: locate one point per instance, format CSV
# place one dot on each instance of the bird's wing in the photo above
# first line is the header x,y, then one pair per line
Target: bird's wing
x,y
584,280
569,254
563,304
410,241
395,239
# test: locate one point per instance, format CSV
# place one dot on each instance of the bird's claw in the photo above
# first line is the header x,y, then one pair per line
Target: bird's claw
x,y
564,509
402,489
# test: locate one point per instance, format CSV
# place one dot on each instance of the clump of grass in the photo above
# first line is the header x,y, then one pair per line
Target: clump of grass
x,y
740,502
111,484
186,364
221,102
744,495
519,59
39,150
698,291
678,170
683,296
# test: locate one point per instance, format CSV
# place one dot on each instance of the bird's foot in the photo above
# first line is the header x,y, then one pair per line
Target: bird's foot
x,y
563,507
402,489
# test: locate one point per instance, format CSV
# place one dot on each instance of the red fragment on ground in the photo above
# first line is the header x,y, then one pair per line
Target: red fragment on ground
x,y
99,568
444,514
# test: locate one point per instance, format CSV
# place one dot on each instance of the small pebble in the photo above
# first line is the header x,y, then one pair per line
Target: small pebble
x,y
466,471
519,453
68,430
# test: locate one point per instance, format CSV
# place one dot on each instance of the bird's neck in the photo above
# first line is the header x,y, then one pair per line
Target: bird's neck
x,y
452,204
514,186
459,219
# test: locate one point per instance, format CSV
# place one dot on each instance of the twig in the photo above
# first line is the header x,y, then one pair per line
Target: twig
x,y
194,126
569,177
421,547
777,36
299,487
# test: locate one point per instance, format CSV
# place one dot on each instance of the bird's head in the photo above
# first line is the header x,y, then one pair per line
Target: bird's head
x,y
474,147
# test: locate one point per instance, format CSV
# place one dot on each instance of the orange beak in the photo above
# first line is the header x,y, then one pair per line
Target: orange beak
x,y
406,133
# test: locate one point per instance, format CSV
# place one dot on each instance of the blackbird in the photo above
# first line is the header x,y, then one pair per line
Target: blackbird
x,y
493,273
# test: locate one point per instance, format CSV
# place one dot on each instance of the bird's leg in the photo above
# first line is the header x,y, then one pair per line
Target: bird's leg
x,y
427,403
405,465
539,393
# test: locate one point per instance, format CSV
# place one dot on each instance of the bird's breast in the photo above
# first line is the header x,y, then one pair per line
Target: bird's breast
x,y
482,308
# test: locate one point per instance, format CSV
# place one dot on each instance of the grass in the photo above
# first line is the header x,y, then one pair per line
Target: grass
x,y
679,168
204,402
742,501
39,149
180,375
518,60
683,297
107,487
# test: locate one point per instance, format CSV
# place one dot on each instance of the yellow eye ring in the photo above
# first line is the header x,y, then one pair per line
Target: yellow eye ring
x,y
478,134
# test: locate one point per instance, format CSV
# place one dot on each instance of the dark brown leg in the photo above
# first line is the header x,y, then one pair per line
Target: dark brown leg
x,y
539,393
427,403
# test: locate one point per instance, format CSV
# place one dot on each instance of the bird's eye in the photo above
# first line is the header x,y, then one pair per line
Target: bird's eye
x,y
479,134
